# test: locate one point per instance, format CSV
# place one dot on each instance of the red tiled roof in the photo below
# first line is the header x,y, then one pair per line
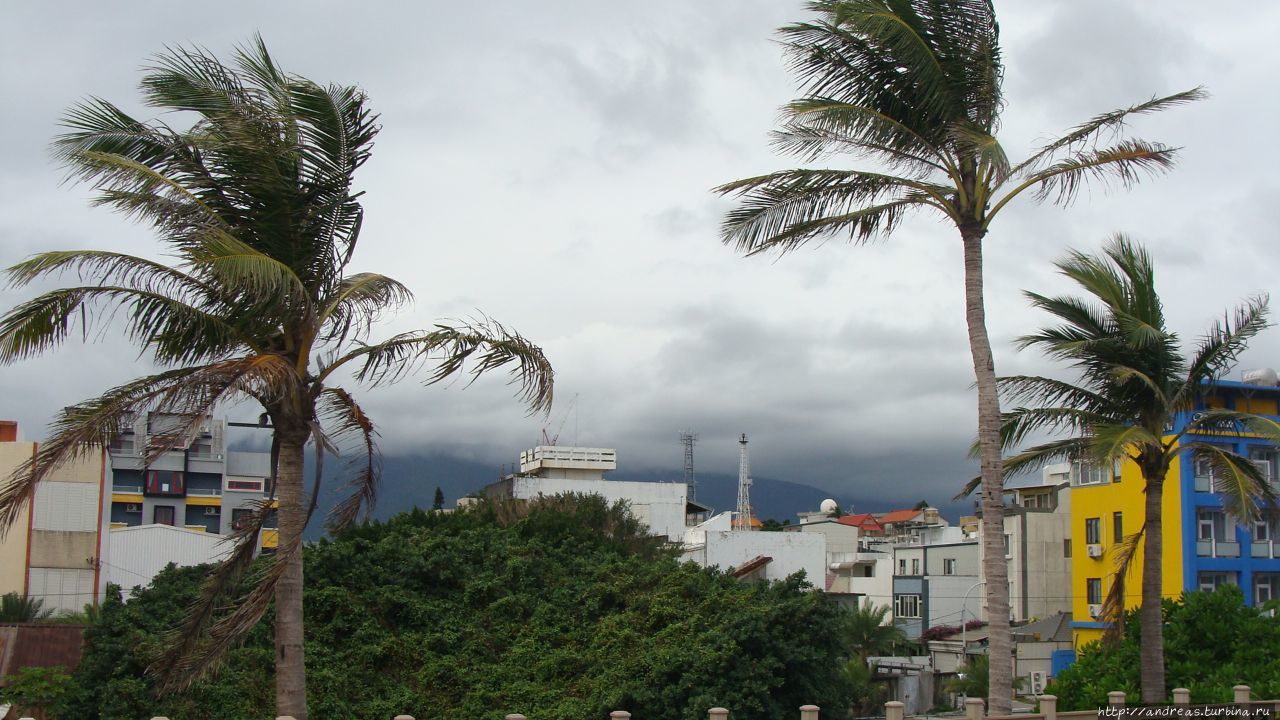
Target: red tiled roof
x,y
751,565
864,521
897,516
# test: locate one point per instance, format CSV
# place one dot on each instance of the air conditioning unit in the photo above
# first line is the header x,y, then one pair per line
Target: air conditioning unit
x,y
1094,551
210,510
131,507
1095,611
1037,682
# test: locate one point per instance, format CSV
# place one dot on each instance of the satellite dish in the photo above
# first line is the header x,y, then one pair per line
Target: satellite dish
x,y
829,506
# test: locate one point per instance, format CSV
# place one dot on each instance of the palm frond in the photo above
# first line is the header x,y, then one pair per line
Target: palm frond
x,y
473,348
1089,132
1051,392
817,127
970,140
1220,348
1244,489
1114,603
784,210
359,302
344,417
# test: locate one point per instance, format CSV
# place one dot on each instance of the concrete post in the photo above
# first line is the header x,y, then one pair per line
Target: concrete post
x,y
809,712
409,717
717,713
973,708
620,715
1181,696
512,716
278,717
1242,693
894,710
1115,698
1049,707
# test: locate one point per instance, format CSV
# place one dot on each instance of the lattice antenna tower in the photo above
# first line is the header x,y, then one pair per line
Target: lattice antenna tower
x,y
744,486
690,479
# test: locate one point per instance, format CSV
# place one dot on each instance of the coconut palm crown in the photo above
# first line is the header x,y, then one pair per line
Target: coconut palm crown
x,y
255,203
1133,402
911,89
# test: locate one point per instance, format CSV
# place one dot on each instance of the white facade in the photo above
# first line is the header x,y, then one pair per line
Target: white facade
x,y
661,506
1037,526
714,543
140,552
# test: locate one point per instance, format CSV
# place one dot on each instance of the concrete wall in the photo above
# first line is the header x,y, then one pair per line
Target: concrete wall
x,y
946,598
791,552
661,506
967,556
13,544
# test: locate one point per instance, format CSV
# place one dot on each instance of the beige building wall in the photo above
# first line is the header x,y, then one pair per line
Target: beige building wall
x,y
13,544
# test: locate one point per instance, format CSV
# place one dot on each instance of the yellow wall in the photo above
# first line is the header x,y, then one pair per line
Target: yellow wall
x,y
1127,497
13,545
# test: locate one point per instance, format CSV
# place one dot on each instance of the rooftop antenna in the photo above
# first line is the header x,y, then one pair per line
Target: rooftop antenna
x,y
744,520
553,439
690,480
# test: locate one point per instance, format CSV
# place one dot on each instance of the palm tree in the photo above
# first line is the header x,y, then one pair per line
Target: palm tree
x,y
915,86
867,634
15,608
255,201
1133,381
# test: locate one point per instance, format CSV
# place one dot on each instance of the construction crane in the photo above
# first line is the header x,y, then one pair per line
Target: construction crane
x,y
690,480
553,439
744,519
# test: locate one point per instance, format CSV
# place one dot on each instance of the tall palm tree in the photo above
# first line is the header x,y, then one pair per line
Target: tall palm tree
x,y
867,634
914,86
255,201
1133,382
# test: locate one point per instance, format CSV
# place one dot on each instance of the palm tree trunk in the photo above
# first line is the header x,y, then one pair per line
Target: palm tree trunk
x,y
1151,634
994,567
291,679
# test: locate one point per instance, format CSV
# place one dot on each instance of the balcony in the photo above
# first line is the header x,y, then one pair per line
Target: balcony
x,y
1217,548
204,492
1263,549
127,488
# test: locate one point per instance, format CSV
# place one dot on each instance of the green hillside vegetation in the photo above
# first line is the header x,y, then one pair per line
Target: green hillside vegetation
x,y
560,610
1212,642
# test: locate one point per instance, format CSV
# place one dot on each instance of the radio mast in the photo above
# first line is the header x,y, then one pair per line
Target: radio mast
x,y
744,520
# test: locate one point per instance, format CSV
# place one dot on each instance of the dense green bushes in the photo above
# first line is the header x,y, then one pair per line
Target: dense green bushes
x,y
1212,641
565,611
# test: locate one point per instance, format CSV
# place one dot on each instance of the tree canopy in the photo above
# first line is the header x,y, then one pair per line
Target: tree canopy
x,y
565,610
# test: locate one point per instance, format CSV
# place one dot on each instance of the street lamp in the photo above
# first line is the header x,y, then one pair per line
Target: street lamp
x,y
964,604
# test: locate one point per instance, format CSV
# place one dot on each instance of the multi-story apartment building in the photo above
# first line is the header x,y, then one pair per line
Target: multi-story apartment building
x,y
1037,547
936,576
54,549
1203,548
198,485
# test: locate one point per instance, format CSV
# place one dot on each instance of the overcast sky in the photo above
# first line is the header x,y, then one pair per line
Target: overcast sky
x,y
549,164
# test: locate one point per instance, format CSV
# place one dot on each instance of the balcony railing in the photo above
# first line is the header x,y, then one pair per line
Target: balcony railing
x,y
1217,548
124,488
1263,549
205,492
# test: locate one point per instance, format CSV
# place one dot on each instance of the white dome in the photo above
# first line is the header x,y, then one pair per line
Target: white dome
x,y
829,506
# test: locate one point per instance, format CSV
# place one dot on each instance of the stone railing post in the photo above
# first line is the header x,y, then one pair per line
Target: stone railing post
x,y
511,716
1115,698
1049,707
620,715
973,708
809,712
1181,696
1242,693
894,710
410,717
717,713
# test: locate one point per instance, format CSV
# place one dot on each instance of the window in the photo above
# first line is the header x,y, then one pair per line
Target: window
x,y
1262,531
1210,581
164,482
1088,473
915,566
245,485
1008,544
1066,548
1093,591
902,567
1117,526
949,566
162,515
1093,531
906,606
1264,456
240,517
1264,588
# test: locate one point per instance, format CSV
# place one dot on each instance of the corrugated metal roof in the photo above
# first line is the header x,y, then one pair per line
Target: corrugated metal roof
x,y
39,646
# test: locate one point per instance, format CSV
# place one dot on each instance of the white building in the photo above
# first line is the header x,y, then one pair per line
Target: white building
x,y
757,554
1037,526
858,569
140,552
936,580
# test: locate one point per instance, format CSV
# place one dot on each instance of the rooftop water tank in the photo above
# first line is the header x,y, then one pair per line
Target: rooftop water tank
x,y
1261,376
